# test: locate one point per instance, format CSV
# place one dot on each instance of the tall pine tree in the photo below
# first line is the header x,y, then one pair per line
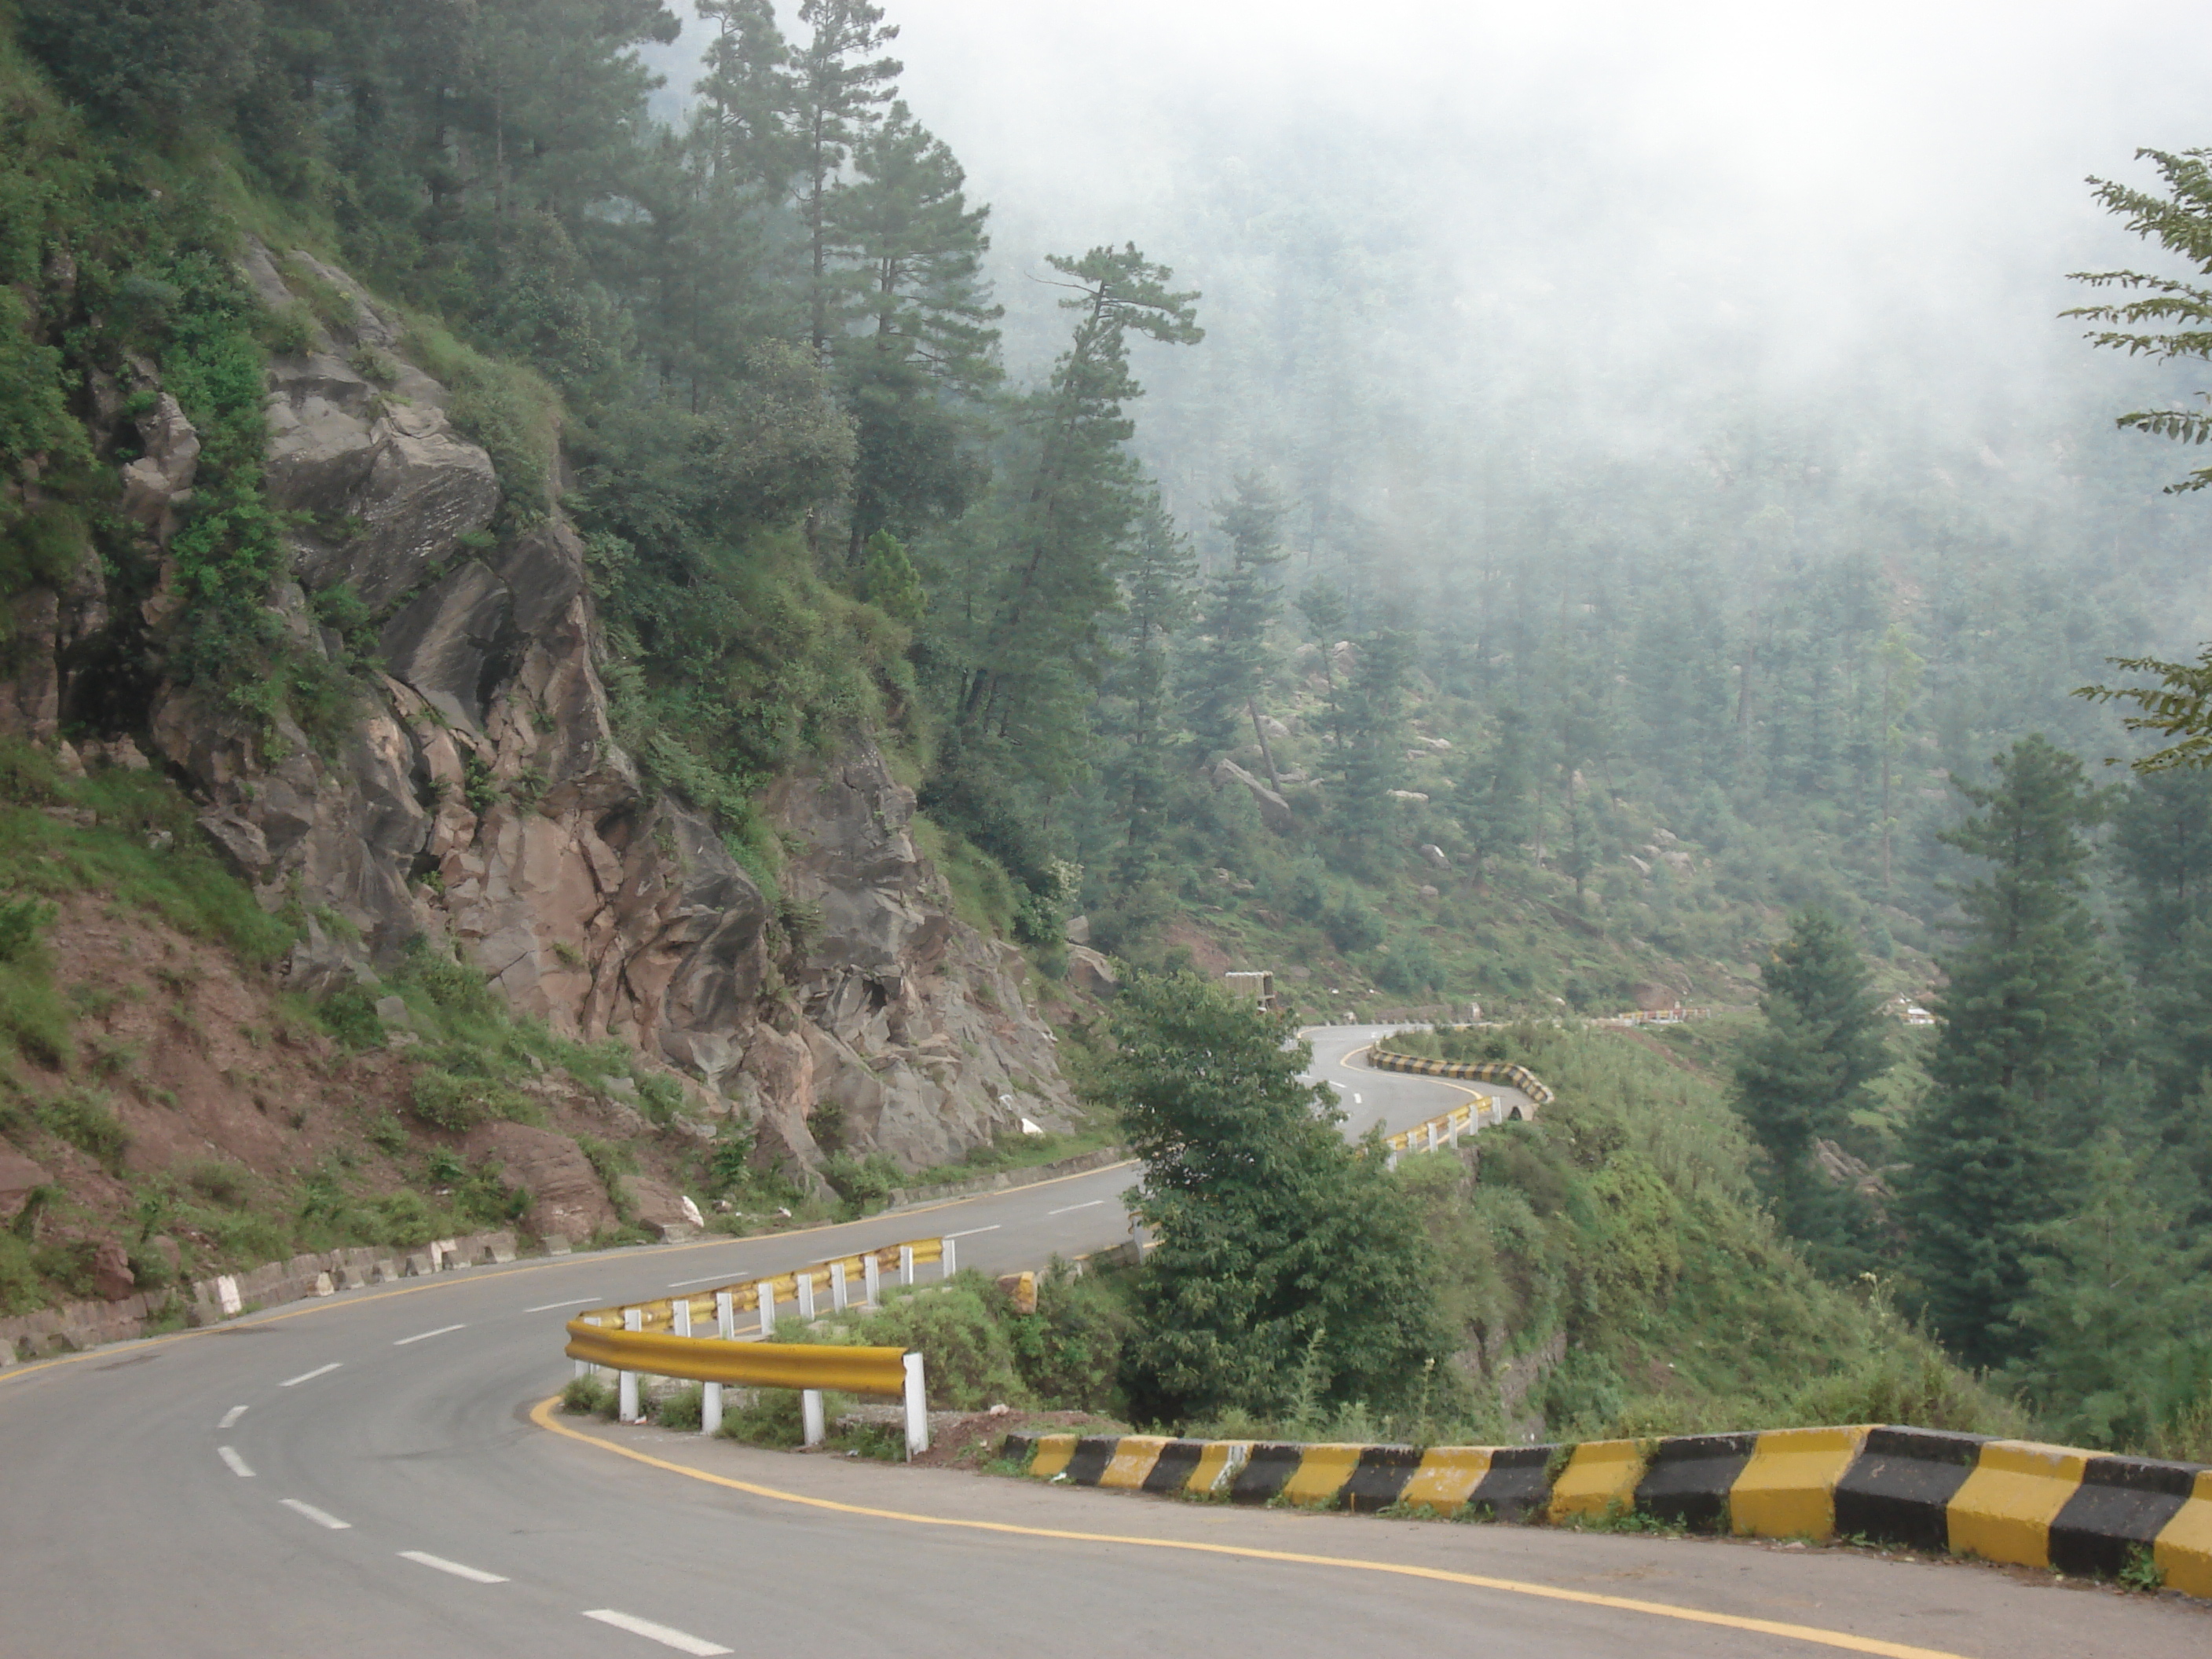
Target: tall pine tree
x,y
838,83
1801,1075
2014,1064
1231,665
913,335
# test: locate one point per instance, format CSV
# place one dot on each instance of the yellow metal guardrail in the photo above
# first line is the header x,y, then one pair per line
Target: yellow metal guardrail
x,y
1444,1130
837,1282
753,1365
694,1337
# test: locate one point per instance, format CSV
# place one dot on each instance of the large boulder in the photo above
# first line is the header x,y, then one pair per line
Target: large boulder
x,y
1274,811
385,488
566,1194
19,1178
1092,973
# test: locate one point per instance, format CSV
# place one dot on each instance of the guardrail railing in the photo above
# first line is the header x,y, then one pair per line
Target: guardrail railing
x,y
1446,1128
696,1338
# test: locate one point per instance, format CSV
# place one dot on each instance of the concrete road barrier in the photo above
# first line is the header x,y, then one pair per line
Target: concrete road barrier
x,y
1899,1487
1481,1070
2012,1501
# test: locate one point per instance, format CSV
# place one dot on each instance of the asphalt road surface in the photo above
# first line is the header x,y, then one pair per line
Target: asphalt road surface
x,y
363,1476
1394,1099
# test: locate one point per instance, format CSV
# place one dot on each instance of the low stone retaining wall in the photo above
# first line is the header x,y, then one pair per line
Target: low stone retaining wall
x,y
77,1326
1006,1179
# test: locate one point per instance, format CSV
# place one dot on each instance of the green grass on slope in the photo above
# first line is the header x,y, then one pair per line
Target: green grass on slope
x,y
1623,1220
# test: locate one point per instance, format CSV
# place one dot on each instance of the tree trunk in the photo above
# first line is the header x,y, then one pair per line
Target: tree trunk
x,y
1267,753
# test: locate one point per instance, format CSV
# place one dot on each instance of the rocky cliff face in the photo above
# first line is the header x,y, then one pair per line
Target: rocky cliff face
x,y
482,798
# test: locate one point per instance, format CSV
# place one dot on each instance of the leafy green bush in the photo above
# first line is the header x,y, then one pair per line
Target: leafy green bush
x,y
967,1355
458,1104
589,1396
504,407
610,1163
33,1014
70,1264
220,1183
350,1016
19,1289
86,1122
1068,1352
443,1100
1351,926
1625,1219
861,1184
729,1159
404,1219
660,1097
769,1419
684,1409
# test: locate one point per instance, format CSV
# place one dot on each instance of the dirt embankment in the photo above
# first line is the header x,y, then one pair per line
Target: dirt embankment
x,y
203,1120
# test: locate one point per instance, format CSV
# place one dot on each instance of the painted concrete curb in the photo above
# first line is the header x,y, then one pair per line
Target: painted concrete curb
x,y
2014,1501
1486,1071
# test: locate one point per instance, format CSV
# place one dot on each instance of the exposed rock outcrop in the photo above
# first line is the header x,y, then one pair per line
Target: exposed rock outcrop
x,y
482,798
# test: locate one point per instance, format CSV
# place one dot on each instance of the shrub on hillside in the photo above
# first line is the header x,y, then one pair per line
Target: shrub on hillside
x,y
967,1355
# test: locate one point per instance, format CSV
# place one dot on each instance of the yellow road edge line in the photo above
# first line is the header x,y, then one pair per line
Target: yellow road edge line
x,y
542,1415
10,1373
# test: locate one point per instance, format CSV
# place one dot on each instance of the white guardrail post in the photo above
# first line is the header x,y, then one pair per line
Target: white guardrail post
x,y
806,1294
812,1430
906,1264
945,1245
725,1316
626,1399
917,1409
768,1310
838,1299
871,1284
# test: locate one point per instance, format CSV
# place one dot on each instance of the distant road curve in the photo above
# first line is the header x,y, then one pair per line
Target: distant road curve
x,y
1393,1099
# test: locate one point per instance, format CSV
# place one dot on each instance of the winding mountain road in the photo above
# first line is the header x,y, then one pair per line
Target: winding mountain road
x,y
369,1474
1393,1099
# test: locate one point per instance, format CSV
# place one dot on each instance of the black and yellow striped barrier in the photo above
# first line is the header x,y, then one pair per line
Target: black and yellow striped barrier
x,y
1480,1070
2012,1501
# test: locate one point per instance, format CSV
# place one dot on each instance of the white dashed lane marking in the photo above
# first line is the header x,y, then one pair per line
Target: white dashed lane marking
x,y
474,1575
320,1517
1072,1208
237,1463
424,1336
309,1376
231,1416
972,1231
661,1633
579,1301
